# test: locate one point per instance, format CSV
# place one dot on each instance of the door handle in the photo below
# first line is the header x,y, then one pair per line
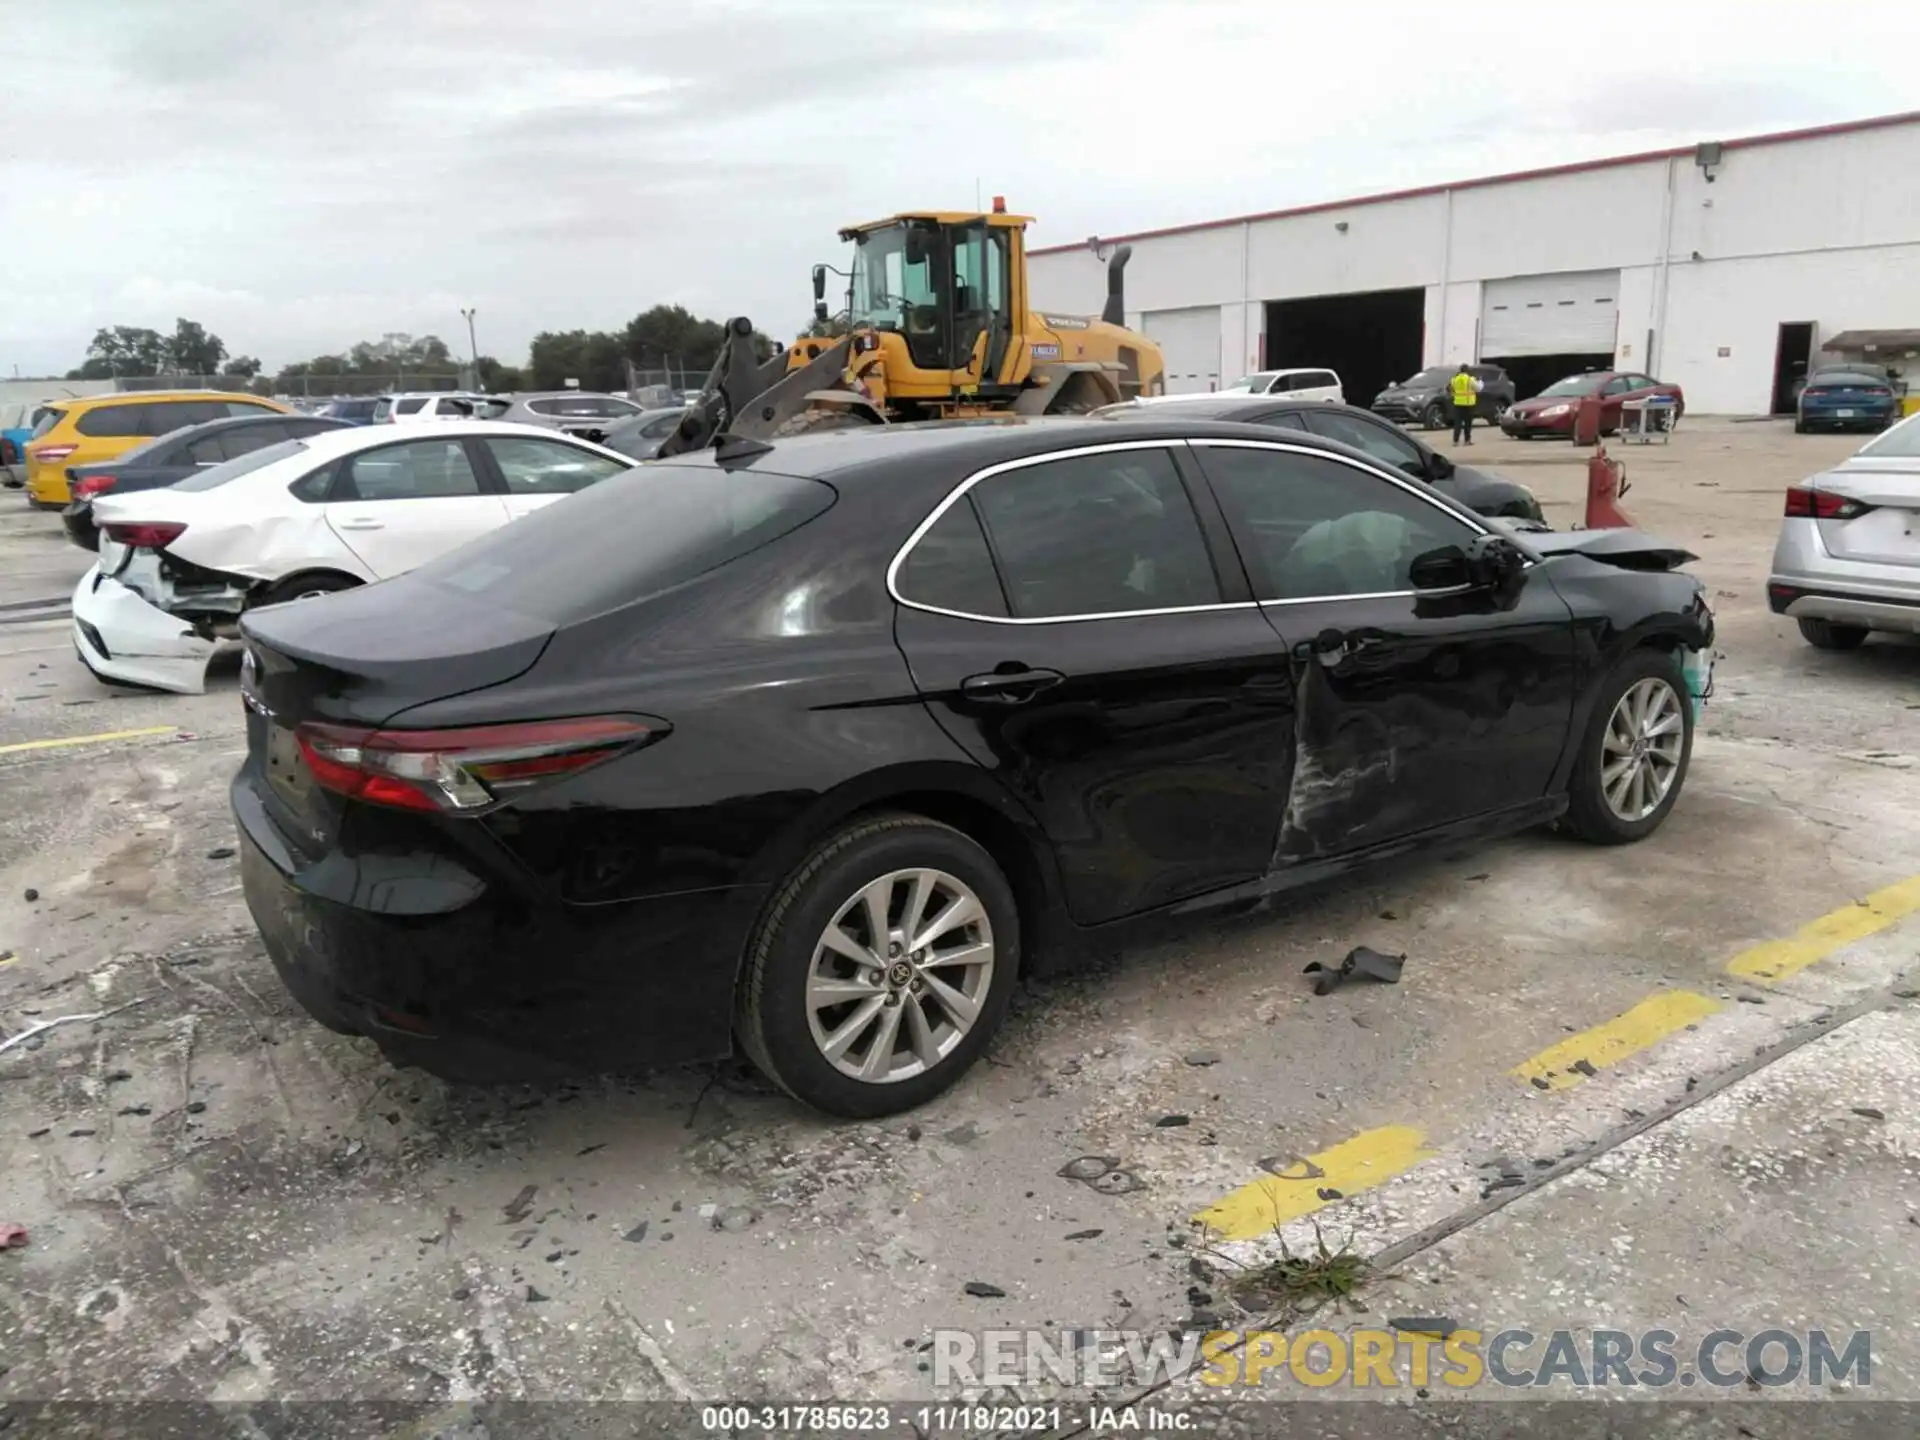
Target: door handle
x,y
1009,686
1333,647
362,522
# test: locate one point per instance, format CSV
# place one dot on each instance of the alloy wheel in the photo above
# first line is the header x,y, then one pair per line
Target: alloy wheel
x,y
900,975
1640,758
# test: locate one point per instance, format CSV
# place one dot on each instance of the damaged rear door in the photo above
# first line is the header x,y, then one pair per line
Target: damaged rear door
x,y
1415,711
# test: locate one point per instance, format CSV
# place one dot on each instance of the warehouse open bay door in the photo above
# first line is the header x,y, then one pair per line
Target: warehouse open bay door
x,y
1544,327
1190,340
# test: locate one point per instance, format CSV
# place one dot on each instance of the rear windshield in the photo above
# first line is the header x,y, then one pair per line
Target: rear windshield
x,y
217,475
589,407
628,537
1902,442
1845,380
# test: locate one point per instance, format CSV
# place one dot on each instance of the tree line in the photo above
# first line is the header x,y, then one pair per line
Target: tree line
x,y
666,338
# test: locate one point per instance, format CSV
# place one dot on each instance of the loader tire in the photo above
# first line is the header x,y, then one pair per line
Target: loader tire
x,y
812,422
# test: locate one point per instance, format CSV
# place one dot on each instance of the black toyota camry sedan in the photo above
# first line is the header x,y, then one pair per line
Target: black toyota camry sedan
x,y
812,746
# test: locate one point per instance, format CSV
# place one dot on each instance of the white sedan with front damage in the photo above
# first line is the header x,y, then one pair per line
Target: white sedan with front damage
x,y
302,518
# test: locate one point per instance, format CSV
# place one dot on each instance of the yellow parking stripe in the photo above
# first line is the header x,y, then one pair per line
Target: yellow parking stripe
x,y
102,739
1777,959
1562,1066
1302,1187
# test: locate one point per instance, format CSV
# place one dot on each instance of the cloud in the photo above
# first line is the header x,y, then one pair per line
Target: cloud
x,y
299,177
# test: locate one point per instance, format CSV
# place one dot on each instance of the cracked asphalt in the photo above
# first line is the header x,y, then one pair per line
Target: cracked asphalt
x,y
225,1202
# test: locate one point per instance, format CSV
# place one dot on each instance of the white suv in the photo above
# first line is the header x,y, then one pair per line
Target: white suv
x,y
1294,384
421,407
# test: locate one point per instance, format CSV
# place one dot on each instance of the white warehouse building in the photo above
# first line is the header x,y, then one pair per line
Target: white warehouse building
x,y
1725,268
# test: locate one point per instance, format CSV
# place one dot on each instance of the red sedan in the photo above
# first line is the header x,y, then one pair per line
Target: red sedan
x,y
1552,411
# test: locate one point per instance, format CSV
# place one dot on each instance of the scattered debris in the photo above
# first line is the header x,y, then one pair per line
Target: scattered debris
x,y
1583,1067
12,1236
1438,1326
196,1107
134,1110
1869,1112
1327,1192
42,1026
590,1149
1483,875
37,1134
1202,1058
118,1077
914,1133
1089,1167
1751,999
1360,963
1086,1234
981,1290
735,1218
1170,1122
1119,1182
81,1133
1539,1084
32,894
962,1134
709,1211
637,1234
516,1209
534,1297
462,1293
224,852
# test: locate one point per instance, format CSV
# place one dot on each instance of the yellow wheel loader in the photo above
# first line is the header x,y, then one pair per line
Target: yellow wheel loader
x,y
938,324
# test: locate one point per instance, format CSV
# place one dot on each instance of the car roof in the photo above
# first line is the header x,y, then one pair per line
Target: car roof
x,y
1221,405
154,397
346,439
939,451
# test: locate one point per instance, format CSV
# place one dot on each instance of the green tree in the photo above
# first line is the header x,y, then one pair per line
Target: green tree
x,y
497,377
123,350
594,358
242,367
193,349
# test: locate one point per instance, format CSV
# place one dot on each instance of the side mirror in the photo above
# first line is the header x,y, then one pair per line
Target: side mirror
x,y
820,311
1443,569
919,244
1440,467
819,288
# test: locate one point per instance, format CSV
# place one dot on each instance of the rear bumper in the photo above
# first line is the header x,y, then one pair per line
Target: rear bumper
x,y
120,636
1806,582
1861,417
47,484
78,518
469,977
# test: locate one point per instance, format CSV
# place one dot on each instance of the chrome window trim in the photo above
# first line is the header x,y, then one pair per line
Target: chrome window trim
x,y
1379,472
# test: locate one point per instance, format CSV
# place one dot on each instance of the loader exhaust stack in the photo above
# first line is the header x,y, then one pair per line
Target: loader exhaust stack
x,y
1115,311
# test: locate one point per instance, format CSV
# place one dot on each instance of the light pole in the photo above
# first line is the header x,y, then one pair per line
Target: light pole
x,y
473,350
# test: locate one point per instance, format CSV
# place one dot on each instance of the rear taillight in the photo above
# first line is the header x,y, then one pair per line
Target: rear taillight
x,y
1808,504
88,486
6,451
454,771
51,454
147,535
1879,392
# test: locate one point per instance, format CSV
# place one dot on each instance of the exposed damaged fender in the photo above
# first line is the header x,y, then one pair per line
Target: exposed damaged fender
x,y
124,637
1628,549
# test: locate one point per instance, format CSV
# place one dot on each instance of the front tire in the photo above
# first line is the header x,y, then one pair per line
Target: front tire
x,y
1634,756
1826,635
881,969
1434,417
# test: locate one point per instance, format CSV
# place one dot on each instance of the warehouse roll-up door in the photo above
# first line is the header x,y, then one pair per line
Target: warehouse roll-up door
x,y
1190,340
1572,314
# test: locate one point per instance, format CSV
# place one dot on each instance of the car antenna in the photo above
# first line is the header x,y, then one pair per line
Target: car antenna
x,y
739,449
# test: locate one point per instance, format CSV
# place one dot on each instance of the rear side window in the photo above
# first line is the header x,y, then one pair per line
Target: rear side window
x,y
165,415
1096,535
410,406
382,409
950,567
629,537
547,467
241,410
114,422
48,419
416,470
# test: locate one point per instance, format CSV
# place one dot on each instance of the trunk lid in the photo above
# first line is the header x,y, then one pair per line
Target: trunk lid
x,y
1884,528
341,658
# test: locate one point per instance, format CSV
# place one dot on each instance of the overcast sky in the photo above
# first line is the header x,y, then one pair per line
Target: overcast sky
x,y
304,174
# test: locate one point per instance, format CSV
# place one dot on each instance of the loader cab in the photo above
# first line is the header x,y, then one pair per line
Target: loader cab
x,y
946,285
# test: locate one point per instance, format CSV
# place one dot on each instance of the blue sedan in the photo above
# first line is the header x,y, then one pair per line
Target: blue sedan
x,y
1846,400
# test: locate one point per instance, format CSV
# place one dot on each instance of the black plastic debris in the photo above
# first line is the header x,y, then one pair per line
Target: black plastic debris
x,y
223,852
637,1234
1583,1067
534,1297
516,1209
1170,1122
981,1290
1868,1112
1089,1167
1361,964
1439,1326
1086,1234
1118,1182
32,894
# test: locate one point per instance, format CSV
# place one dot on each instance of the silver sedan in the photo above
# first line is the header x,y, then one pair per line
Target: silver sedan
x,y
1848,559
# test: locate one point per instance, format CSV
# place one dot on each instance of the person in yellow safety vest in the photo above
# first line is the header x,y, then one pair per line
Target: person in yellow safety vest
x,y
1465,388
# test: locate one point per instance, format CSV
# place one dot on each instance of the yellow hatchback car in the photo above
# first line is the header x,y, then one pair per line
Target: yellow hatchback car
x,y
105,427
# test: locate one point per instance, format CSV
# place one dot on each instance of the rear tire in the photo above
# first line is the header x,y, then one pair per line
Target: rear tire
x,y
1434,417
1629,734
1826,635
803,950
304,587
